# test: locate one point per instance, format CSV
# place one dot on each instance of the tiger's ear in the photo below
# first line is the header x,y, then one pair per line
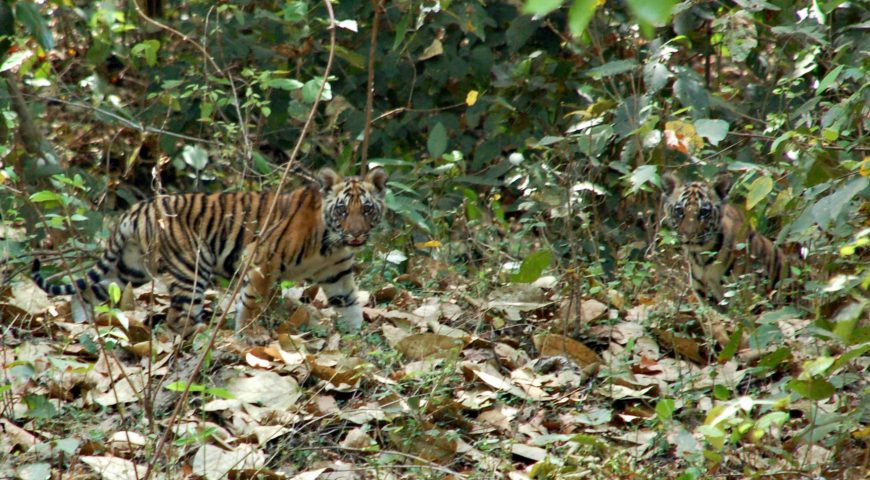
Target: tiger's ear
x,y
722,184
670,183
378,177
327,178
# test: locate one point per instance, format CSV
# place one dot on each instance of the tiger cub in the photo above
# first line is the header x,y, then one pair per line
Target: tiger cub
x,y
719,243
314,235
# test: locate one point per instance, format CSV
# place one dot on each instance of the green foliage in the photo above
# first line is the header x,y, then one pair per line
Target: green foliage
x,y
532,135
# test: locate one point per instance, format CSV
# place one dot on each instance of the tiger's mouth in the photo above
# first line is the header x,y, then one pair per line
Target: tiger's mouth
x,y
355,241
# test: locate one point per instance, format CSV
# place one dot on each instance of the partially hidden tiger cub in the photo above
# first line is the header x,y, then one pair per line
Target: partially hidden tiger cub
x,y
719,243
314,235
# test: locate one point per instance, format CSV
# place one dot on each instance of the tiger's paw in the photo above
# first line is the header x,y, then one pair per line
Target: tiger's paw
x,y
350,319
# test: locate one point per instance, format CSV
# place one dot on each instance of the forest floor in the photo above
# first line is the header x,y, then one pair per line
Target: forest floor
x,y
527,381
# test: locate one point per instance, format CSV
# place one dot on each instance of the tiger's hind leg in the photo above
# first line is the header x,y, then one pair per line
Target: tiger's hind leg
x,y
188,280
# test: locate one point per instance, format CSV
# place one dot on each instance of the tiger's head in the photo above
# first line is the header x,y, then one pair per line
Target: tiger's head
x,y
352,206
694,210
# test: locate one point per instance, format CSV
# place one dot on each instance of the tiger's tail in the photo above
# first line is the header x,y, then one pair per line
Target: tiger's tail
x,y
90,282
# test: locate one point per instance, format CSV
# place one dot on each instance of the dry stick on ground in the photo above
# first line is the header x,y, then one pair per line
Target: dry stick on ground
x,y
370,89
158,451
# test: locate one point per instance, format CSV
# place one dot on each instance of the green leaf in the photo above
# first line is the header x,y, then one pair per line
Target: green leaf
x,y
691,93
758,190
354,59
15,60
665,409
311,87
220,393
180,386
148,49
284,84
114,293
295,11
402,29
713,130
829,79
68,445
829,208
850,355
45,196
774,359
194,156
641,176
655,76
38,406
532,266
580,14
28,13
656,12
437,143
541,7
610,69
815,389
772,418
733,345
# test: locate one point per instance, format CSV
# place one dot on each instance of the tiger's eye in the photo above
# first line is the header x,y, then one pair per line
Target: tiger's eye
x,y
705,210
368,208
678,211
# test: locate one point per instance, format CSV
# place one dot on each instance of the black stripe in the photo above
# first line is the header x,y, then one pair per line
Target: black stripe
x,y
346,300
94,277
338,276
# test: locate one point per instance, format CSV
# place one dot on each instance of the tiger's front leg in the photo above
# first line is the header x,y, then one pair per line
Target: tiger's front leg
x,y
254,295
341,291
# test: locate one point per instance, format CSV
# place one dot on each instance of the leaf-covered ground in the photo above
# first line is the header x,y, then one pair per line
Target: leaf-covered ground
x,y
528,381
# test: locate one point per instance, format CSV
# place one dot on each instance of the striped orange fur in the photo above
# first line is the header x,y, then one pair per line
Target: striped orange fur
x,y
314,234
720,245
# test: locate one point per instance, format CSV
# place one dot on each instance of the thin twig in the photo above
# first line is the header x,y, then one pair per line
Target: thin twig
x,y
417,110
126,122
370,89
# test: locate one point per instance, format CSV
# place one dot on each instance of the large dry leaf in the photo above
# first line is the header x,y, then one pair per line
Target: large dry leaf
x,y
215,463
493,378
682,346
125,442
265,388
425,441
393,335
309,475
126,389
527,451
114,468
425,345
342,373
357,438
28,297
551,345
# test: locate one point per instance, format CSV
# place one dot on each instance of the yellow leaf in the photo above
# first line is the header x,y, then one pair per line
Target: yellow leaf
x,y
2,177
429,244
682,137
865,167
471,98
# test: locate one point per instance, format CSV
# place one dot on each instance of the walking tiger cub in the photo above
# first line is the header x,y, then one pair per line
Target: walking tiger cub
x,y
719,243
314,235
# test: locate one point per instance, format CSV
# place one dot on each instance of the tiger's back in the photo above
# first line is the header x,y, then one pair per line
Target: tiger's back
x,y
720,245
313,234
